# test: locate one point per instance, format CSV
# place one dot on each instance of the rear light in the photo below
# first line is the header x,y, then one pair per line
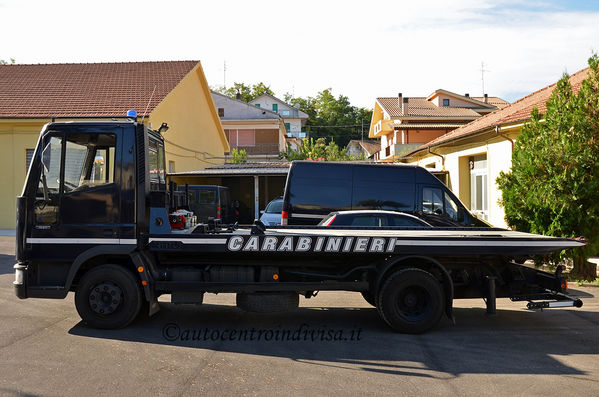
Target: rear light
x,y
284,218
328,223
218,212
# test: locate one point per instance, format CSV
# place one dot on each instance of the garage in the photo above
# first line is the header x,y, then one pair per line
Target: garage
x,y
252,184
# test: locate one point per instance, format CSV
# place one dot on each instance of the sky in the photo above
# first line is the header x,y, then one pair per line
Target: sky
x,y
362,50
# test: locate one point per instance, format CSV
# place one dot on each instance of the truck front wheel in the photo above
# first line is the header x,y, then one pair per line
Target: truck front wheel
x,y
108,297
411,301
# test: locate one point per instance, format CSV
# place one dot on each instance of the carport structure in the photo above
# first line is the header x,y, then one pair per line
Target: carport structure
x,y
252,184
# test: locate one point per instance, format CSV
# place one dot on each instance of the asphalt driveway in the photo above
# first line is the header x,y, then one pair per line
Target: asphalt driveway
x,y
334,344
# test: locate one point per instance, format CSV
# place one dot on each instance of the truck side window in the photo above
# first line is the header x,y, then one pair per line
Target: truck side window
x,y
432,201
156,161
89,161
47,195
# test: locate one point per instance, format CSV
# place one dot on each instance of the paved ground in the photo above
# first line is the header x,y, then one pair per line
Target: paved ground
x,y
45,351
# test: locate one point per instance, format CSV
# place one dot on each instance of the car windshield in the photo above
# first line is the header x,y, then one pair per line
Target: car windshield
x,y
274,207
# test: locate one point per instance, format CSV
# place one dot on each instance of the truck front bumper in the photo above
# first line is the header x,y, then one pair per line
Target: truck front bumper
x,y
20,282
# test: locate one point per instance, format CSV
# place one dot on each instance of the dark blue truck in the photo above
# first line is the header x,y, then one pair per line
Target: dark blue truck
x,y
93,219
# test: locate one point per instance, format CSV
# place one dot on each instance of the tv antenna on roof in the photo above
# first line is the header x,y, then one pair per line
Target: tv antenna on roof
x,y
148,105
225,74
482,75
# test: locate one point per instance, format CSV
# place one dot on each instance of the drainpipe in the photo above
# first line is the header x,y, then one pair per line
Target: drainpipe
x,y
504,137
437,154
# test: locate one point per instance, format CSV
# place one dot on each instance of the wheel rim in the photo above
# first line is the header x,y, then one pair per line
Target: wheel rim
x,y
413,303
105,298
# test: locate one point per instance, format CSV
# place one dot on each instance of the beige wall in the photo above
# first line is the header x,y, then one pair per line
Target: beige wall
x,y
453,102
499,158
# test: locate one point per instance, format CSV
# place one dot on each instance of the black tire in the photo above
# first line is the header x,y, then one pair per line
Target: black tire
x,y
411,301
117,293
369,297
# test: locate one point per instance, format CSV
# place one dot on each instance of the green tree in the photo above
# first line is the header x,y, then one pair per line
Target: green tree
x,y
332,117
318,150
553,186
239,156
247,92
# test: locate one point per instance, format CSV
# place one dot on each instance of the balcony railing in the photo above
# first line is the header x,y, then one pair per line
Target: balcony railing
x,y
261,149
289,113
297,134
398,150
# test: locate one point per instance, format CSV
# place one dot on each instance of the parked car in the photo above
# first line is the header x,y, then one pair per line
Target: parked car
x,y
271,216
314,189
210,201
368,218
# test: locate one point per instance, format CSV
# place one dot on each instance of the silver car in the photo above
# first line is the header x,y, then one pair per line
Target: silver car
x,y
271,216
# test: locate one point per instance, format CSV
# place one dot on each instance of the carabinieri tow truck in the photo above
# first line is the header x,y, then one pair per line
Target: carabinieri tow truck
x,y
93,218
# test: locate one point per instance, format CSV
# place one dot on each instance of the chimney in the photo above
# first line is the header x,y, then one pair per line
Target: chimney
x,y
467,95
399,99
238,96
404,107
486,98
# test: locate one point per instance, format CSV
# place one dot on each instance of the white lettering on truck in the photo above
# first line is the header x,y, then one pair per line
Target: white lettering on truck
x,y
235,243
307,244
303,244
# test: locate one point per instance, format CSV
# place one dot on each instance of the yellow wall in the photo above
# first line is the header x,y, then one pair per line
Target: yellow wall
x,y
377,115
188,110
195,138
499,158
15,137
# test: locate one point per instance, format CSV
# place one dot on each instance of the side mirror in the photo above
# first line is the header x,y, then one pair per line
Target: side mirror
x,y
261,212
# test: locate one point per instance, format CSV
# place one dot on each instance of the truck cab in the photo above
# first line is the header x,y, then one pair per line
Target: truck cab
x,y
82,191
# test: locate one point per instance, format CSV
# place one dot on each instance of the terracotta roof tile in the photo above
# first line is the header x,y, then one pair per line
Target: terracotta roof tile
x,y
492,100
514,112
430,125
90,89
421,107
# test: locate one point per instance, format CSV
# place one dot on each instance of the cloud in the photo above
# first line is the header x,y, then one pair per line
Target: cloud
x,y
360,49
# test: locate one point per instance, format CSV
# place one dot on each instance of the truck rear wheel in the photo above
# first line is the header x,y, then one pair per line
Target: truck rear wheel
x,y
108,297
411,301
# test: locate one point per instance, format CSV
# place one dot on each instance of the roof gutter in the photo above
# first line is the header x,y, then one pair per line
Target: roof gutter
x,y
504,137
437,154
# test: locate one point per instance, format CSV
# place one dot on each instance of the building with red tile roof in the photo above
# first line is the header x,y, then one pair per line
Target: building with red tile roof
x,y
174,92
404,123
474,154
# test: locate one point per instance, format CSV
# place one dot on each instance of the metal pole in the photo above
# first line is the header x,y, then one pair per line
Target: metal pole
x,y
256,197
491,296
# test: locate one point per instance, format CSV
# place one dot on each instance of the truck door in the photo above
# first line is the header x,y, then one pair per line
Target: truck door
x,y
78,194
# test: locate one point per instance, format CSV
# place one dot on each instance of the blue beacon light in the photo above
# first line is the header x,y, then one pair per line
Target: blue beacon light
x,y
132,113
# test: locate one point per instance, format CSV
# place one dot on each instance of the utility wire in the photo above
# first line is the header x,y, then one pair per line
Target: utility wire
x,y
338,126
